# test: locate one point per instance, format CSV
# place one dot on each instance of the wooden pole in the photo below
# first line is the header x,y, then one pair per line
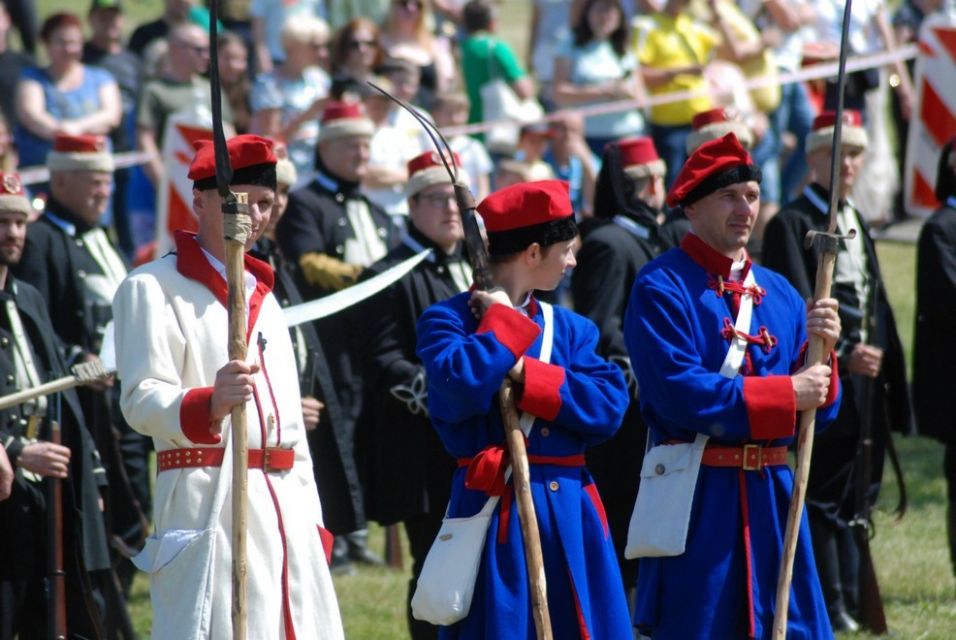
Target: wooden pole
x,y
236,232
521,478
808,418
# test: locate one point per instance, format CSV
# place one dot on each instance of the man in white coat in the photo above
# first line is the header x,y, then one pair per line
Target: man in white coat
x,y
179,387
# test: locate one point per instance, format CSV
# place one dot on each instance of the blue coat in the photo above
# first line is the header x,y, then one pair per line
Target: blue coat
x,y
578,400
674,329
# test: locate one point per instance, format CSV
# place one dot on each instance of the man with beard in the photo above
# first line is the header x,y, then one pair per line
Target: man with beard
x,y
618,242
872,368
331,232
396,428
30,356
70,259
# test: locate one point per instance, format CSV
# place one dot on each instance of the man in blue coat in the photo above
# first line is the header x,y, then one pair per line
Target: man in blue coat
x,y
681,323
468,345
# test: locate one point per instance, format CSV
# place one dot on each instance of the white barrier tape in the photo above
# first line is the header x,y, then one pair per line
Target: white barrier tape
x,y
813,72
123,160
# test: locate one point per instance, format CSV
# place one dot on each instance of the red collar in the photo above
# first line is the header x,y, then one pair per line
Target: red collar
x,y
708,258
192,263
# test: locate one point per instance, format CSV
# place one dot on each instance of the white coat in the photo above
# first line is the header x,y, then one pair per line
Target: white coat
x,y
171,328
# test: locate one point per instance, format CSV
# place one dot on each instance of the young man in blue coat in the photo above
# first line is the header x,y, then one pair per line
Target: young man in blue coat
x,y
468,345
679,326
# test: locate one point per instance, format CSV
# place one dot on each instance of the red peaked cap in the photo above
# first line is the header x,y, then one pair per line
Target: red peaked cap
x,y
252,159
526,204
635,151
712,116
528,212
714,165
340,110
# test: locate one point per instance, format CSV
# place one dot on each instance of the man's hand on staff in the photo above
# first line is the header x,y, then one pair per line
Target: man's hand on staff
x,y
234,385
823,321
100,384
482,300
45,459
812,383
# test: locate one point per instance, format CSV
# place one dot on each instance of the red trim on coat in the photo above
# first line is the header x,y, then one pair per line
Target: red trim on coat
x,y
834,390
748,553
541,394
504,517
511,328
327,538
771,407
709,259
272,396
286,603
195,418
592,492
192,263
582,625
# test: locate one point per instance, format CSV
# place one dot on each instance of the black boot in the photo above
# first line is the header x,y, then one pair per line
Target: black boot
x,y
827,555
358,550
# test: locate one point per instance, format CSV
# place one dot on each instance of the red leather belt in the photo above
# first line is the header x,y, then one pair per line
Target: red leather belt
x,y
750,457
271,459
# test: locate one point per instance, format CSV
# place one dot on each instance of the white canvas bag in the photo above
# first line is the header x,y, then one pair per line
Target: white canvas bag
x,y
500,102
447,582
661,516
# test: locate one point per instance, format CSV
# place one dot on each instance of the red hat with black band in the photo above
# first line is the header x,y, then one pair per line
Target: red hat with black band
x,y
714,165
525,213
252,158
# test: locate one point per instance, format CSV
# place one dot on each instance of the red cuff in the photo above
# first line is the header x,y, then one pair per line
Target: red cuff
x,y
771,407
194,418
834,389
511,328
542,389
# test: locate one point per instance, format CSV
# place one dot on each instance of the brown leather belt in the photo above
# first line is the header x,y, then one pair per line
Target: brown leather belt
x,y
750,457
271,459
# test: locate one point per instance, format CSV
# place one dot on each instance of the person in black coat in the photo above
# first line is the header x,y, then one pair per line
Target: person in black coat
x,y
74,265
30,354
620,239
407,470
321,411
331,233
934,346
871,361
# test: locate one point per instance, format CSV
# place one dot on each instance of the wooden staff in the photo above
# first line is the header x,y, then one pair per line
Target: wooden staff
x,y
827,245
236,228
521,478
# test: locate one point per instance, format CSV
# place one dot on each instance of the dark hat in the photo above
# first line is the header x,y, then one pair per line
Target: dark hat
x,y
252,158
714,165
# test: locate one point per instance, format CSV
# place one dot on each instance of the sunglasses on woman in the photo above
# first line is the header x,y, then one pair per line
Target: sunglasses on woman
x,y
358,44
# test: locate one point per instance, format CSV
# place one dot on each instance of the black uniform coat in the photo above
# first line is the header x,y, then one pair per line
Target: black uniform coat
x,y
408,471
934,349
613,252
831,487
58,264
335,474
22,517
316,221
